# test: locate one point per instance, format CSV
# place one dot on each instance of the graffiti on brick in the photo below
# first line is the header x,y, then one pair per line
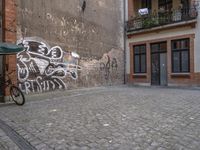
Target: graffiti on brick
x,y
108,67
44,68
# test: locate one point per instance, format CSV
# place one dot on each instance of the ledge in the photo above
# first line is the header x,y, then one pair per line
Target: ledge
x,y
140,75
184,75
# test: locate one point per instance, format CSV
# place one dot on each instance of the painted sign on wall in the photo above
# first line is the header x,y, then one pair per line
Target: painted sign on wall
x,y
44,68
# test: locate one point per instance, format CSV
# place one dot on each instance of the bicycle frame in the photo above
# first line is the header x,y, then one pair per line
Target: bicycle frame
x,y
6,82
15,93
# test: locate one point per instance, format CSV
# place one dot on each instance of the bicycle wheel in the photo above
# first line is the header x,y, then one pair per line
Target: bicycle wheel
x,y
17,95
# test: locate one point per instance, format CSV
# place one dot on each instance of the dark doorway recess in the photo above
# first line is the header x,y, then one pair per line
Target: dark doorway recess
x,y
159,63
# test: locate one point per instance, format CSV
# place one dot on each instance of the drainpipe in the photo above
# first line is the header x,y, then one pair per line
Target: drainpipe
x,y
124,28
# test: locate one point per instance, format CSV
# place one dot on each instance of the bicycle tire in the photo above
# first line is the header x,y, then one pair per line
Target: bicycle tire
x,y
17,95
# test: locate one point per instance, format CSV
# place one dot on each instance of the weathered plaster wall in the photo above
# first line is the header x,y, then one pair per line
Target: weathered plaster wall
x,y
50,29
197,45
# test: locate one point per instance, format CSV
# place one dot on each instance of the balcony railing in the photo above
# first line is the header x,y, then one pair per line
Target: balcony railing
x,y
156,19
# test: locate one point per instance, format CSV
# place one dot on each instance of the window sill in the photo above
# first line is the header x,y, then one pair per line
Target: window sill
x,y
180,75
140,75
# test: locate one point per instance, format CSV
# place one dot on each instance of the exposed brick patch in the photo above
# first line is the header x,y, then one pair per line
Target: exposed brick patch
x,y
10,36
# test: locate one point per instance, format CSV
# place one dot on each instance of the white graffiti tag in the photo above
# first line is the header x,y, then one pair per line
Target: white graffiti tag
x,y
41,68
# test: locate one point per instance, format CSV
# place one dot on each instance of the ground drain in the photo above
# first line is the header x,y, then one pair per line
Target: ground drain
x,y
15,137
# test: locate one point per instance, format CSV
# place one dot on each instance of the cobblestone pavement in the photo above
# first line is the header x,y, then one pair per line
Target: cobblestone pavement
x,y
124,118
6,143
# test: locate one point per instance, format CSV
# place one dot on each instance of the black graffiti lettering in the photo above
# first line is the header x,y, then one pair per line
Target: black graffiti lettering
x,y
114,64
109,66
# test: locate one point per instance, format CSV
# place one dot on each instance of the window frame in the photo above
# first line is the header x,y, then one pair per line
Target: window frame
x,y
148,4
165,4
140,54
180,51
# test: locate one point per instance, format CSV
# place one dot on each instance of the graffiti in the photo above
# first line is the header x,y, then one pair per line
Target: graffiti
x,y
43,68
108,67
40,85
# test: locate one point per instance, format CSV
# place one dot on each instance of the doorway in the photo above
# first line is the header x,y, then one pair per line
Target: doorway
x,y
185,10
159,64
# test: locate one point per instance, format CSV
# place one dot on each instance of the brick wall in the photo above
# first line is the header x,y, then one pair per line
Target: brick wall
x,y
9,29
130,8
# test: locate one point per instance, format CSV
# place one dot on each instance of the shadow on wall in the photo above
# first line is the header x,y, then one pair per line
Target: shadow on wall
x,y
42,68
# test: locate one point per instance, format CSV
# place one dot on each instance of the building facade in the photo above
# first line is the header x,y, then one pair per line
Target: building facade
x,y
68,44
163,40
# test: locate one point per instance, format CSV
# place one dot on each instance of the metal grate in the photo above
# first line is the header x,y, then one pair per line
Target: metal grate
x,y
15,137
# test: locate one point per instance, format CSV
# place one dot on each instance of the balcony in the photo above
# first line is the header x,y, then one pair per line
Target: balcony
x,y
161,19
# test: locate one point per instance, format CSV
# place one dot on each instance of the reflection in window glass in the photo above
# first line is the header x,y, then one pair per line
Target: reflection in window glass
x,y
163,46
154,47
143,63
137,50
176,62
137,64
185,60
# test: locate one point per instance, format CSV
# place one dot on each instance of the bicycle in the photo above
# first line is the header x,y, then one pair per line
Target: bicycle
x,y
15,93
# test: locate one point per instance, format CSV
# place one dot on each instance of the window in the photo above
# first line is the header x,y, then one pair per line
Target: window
x,y
185,4
180,56
159,47
140,59
146,4
165,5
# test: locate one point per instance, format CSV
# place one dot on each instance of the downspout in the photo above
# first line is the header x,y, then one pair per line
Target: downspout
x,y
124,28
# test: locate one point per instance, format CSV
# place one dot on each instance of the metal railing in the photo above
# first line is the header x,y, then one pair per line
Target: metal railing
x,y
155,19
